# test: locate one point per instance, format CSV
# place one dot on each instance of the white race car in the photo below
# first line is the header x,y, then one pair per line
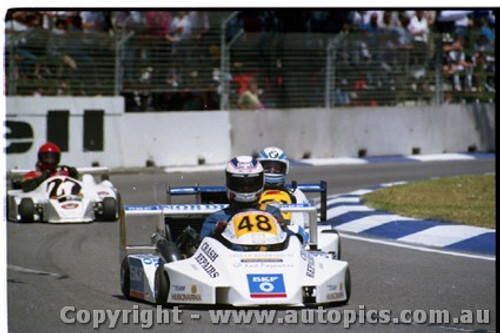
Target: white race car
x,y
298,221
253,262
62,199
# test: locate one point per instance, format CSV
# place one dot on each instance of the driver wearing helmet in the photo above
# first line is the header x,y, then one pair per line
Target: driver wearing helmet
x,y
276,167
245,184
47,166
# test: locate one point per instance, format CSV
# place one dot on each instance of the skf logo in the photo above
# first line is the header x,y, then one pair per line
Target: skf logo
x,y
266,285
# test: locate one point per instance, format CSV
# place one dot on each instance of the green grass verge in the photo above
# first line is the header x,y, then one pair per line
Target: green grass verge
x,y
468,200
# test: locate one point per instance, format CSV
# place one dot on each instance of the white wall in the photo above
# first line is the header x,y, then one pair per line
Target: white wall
x,y
176,138
183,138
342,132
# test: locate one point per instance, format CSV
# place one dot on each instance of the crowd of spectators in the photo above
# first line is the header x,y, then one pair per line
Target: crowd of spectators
x,y
384,56
170,59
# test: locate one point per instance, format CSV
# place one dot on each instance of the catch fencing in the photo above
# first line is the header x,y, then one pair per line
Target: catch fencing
x,y
212,69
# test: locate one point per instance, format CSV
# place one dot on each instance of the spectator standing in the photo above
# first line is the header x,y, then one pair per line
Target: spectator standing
x,y
179,38
130,22
419,29
96,45
180,31
157,47
249,100
457,65
21,30
61,62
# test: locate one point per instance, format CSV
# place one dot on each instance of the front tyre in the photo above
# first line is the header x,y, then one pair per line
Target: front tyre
x,y
27,210
125,278
109,209
161,285
347,286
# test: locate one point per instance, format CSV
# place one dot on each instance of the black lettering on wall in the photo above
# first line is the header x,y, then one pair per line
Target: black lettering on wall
x,y
93,130
19,137
58,128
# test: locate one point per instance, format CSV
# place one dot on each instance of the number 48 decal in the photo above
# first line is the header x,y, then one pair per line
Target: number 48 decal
x,y
252,222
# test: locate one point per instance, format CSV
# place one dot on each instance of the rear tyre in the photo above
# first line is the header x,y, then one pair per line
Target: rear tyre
x,y
161,285
109,209
125,278
27,210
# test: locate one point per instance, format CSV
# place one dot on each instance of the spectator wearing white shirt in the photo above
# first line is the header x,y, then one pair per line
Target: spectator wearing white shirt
x,y
419,29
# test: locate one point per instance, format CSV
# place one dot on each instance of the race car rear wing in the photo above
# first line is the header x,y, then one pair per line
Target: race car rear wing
x,y
217,194
15,174
160,212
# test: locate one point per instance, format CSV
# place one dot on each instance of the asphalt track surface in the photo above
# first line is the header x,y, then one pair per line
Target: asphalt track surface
x,y
54,266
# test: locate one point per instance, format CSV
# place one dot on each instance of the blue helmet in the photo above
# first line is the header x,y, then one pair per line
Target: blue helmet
x,y
275,164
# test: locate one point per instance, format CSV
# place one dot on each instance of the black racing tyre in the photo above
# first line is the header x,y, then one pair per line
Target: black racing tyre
x,y
162,285
27,210
347,286
125,278
109,209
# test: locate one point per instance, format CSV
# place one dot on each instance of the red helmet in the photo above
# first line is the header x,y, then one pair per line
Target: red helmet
x,y
49,156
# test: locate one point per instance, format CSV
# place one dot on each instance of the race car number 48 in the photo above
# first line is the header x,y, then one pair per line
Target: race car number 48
x,y
252,222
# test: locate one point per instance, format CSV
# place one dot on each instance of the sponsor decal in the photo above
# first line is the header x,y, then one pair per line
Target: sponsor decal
x,y
103,193
181,295
136,294
142,208
178,288
206,265
186,297
260,260
151,260
136,278
334,296
70,205
266,285
310,268
211,254
331,287
207,207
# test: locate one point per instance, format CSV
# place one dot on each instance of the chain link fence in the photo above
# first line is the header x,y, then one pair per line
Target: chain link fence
x,y
214,67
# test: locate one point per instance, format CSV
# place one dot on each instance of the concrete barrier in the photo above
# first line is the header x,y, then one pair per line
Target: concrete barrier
x,y
97,131
344,132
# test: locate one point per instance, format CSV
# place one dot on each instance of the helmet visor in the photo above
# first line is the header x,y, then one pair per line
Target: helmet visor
x,y
49,158
274,167
245,183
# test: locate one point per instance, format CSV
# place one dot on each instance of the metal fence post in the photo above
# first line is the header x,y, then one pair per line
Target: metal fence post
x,y
331,57
224,61
438,68
120,42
